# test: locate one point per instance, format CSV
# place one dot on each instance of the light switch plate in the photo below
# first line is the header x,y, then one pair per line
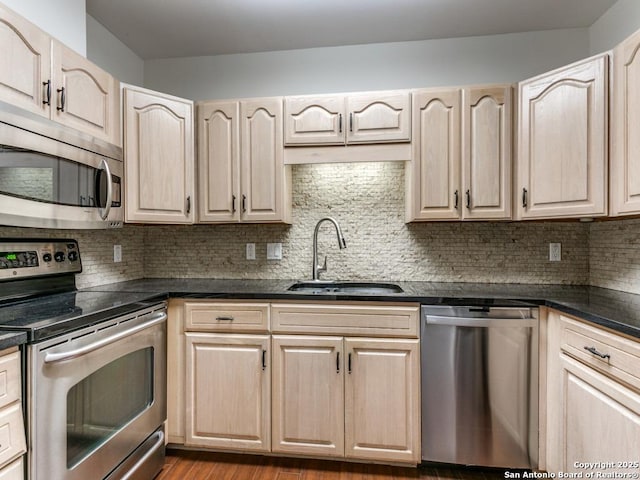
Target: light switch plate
x,y
251,251
555,252
274,251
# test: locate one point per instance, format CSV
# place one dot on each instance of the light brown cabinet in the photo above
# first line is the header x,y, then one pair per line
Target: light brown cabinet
x,y
159,157
39,74
625,115
563,142
228,391
242,177
353,397
12,434
461,166
592,397
376,117
308,395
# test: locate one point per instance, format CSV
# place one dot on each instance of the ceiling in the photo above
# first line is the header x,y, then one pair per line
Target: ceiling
x,y
183,28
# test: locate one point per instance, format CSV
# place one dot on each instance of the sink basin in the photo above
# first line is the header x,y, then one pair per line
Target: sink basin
x,y
357,288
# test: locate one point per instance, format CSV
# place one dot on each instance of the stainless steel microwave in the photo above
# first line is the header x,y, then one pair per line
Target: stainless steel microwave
x,y
52,176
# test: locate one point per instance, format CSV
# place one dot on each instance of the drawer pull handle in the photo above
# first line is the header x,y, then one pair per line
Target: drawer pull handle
x,y
597,353
264,359
349,363
230,319
338,362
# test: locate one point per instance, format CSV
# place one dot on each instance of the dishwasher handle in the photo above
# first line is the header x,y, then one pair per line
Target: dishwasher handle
x,y
480,322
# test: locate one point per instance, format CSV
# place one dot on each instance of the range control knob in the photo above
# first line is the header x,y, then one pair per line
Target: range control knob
x,y
59,257
46,257
73,256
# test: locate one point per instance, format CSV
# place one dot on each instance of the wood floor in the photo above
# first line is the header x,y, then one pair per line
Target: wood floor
x,y
186,465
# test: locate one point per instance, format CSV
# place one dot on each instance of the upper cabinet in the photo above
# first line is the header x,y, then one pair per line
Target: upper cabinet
x,y
487,152
562,149
25,63
159,157
461,166
625,116
242,176
87,97
379,117
43,76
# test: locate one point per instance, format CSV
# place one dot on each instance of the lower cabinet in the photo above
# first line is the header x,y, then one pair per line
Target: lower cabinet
x,y
338,395
350,397
228,393
593,399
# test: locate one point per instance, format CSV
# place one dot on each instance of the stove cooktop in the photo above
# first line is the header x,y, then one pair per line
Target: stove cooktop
x,y
48,316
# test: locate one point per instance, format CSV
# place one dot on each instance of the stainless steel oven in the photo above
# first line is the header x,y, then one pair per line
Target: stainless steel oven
x,y
56,177
95,395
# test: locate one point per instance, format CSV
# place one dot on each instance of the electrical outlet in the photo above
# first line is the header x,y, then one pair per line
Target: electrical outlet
x,y
117,253
251,251
555,252
274,251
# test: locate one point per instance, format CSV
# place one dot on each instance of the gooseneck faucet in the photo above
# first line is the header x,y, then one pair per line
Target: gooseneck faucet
x,y
317,268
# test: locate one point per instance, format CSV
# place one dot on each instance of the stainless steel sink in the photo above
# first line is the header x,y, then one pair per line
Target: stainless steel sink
x,y
356,288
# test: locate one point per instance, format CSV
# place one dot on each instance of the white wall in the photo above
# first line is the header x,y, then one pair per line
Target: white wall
x,y
457,61
110,54
62,19
617,23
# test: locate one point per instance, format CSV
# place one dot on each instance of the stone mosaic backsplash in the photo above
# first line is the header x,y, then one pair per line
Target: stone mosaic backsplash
x,y
368,201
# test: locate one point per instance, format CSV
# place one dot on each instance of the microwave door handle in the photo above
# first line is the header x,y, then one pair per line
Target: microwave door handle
x,y
104,213
71,354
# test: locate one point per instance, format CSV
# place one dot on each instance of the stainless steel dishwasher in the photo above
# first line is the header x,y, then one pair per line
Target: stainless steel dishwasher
x,y
480,386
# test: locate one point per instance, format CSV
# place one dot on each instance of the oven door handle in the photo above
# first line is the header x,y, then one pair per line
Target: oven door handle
x,y
63,356
104,212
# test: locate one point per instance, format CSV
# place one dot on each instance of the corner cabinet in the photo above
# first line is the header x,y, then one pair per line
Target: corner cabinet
x,y
625,116
159,157
41,75
592,398
242,176
563,142
462,162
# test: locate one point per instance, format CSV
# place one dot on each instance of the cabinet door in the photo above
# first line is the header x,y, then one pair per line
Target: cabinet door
x,y
308,395
25,63
265,182
562,152
382,384
158,150
85,97
314,120
625,116
228,391
218,162
486,140
433,177
379,117
600,420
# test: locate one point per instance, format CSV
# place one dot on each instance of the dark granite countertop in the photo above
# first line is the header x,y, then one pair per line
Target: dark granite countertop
x,y
609,308
12,339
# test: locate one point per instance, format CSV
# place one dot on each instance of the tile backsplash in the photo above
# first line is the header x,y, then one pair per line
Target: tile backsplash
x,y
614,255
368,201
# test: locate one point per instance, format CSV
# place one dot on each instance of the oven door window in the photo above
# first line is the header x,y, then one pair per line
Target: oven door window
x,y
50,179
106,401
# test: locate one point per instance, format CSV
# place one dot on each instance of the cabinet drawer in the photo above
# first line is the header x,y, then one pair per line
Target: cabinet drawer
x,y
12,440
620,356
226,317
13,471
10,383
397,320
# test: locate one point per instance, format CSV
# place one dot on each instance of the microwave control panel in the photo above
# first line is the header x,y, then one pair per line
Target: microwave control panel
x,y
23,258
